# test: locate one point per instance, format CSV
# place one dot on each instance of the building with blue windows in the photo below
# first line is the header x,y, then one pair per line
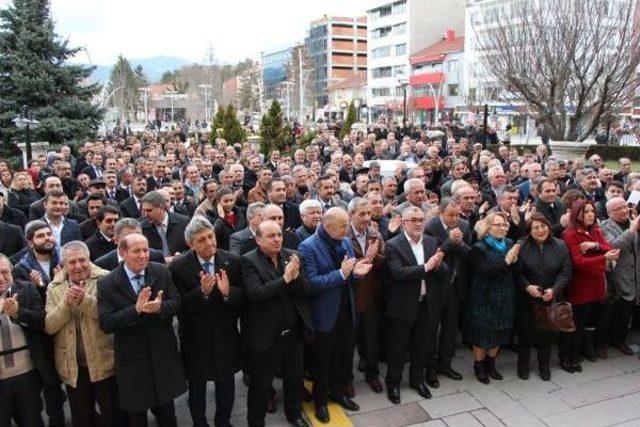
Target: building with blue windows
x,y
274,73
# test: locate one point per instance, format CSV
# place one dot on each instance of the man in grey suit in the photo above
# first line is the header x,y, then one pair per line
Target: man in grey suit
x,y
622,233
240,241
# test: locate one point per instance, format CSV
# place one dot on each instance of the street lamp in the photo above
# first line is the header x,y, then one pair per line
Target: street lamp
x,y
171,94
356,103
206,90
404,82
26,120
144,93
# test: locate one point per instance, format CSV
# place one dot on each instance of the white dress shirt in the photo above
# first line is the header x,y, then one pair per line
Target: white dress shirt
x,y
418,252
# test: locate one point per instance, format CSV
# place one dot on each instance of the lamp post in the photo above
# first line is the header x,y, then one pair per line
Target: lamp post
x,y
26,120
356,103
144,94
206,91
171,95
484,125
404,83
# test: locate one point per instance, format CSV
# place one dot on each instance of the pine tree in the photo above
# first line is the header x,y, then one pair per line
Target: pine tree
x,y
218,123
273,132
34,72
350,120
124,83
232,129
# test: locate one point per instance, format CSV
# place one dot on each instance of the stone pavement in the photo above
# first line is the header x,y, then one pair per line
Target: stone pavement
x,y
606,393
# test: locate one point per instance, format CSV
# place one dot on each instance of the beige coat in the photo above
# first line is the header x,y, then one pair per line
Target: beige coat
x,y
60,322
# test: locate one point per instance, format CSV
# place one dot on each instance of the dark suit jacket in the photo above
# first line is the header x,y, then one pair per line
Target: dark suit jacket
x,y
90,171
224,230
37,211
553,214
99,246
407,276
12,240
209,337
13,216
243,241
70,231
152,184
110,262
264,290
291,213
455,256
367,288
129,208
175,233
147,362
122,194
88,228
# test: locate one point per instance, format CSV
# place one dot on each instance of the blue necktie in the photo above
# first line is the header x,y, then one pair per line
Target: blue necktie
x,y
137,283
206,266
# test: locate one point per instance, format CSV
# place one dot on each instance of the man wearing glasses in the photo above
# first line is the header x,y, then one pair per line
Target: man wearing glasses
x,y
415,264
416,195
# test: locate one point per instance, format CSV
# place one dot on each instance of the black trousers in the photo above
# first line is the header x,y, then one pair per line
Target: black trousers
x,y
225,394
83,398
585,314
367,340
20,400
407,336
286,350
617,319
333,358
165,416
442,313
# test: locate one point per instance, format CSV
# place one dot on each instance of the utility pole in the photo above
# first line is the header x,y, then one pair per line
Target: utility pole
x,y
301,115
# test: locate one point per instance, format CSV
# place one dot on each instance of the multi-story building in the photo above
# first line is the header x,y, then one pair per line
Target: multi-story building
x,y
274,73
395,29
437,79
338,49
343,92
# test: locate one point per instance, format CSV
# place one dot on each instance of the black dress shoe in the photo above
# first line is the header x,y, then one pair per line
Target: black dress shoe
x,y
576,367
393,393
480,370
451,374
298,422
567,366
624,349
422,389
375,385
349,391
432,380
322,414
346,403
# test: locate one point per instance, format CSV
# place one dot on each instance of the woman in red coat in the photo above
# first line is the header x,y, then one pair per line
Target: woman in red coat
x,y
591,256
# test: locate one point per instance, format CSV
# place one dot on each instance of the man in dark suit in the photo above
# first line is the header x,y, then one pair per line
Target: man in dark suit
x,y
51,183
22,325
155,181
208,279
56,203
414,263
445,299
276,192
102,242
547,204
93,203
132,207
94,169
11,215
164,230
136,303
331,268
123,228
243,241
277,317
13,240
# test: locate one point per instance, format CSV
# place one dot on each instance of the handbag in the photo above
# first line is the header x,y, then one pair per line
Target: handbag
x,y
557,316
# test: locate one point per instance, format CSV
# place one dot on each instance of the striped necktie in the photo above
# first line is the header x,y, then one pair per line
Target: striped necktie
x,y
162,231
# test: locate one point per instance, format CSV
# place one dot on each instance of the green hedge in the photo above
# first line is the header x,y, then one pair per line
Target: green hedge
x,y
607,152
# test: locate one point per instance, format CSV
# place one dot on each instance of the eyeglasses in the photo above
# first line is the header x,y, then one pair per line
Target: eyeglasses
x,y
415,220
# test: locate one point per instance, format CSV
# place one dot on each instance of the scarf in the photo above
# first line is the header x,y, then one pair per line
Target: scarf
x,y
334,246
499,246
230,219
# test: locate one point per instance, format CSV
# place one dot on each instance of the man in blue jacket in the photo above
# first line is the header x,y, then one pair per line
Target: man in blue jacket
x,y
331,268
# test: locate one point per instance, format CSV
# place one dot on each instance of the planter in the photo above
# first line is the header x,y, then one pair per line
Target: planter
x,y
568,150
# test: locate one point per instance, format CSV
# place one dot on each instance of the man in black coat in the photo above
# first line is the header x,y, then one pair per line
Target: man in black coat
x,y
278,317
444,299
277,195
136,303
164,230
208,280
415,264
102,241
12,240
124,227
547,204
132,207
22,318
11,215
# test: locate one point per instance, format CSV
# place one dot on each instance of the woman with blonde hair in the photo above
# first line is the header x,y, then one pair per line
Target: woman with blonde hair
x,y
491,311
22,193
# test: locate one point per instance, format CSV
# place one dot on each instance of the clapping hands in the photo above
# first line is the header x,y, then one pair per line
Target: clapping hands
x,y
144,305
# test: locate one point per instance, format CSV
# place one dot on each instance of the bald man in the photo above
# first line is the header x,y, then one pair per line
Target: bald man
x,y
136,303
331,268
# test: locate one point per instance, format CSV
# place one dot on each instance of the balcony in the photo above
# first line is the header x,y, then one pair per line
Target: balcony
x,y
428,102
426,78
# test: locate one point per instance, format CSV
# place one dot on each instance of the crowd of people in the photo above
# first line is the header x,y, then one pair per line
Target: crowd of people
x,y
135,269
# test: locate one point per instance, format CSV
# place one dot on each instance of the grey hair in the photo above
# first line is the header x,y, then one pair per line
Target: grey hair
x,y
548,165
411,209
154,198
411,182
125,223
309,204
253,208
493,170
197,224
298,168
611,201
75,245
3,257
355,203
412,172
386,179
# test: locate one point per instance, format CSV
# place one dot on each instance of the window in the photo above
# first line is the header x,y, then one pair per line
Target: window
x,y
453,90
380,91
400,91
400,7
399,70
452,66
384,11
401,49
400,29
381,52
381,32
381,72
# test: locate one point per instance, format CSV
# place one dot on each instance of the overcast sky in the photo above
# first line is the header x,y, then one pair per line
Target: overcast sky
x,y
185,28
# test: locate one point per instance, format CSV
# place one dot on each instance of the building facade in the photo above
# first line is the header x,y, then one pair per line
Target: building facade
x,y
437,80
343,92
396,29
274,74
338,49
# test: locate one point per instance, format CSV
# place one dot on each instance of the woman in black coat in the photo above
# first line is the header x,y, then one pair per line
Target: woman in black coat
x,y
544,269
227,218
22,194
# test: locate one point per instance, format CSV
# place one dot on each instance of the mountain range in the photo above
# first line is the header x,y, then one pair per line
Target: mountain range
x,y
153,67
